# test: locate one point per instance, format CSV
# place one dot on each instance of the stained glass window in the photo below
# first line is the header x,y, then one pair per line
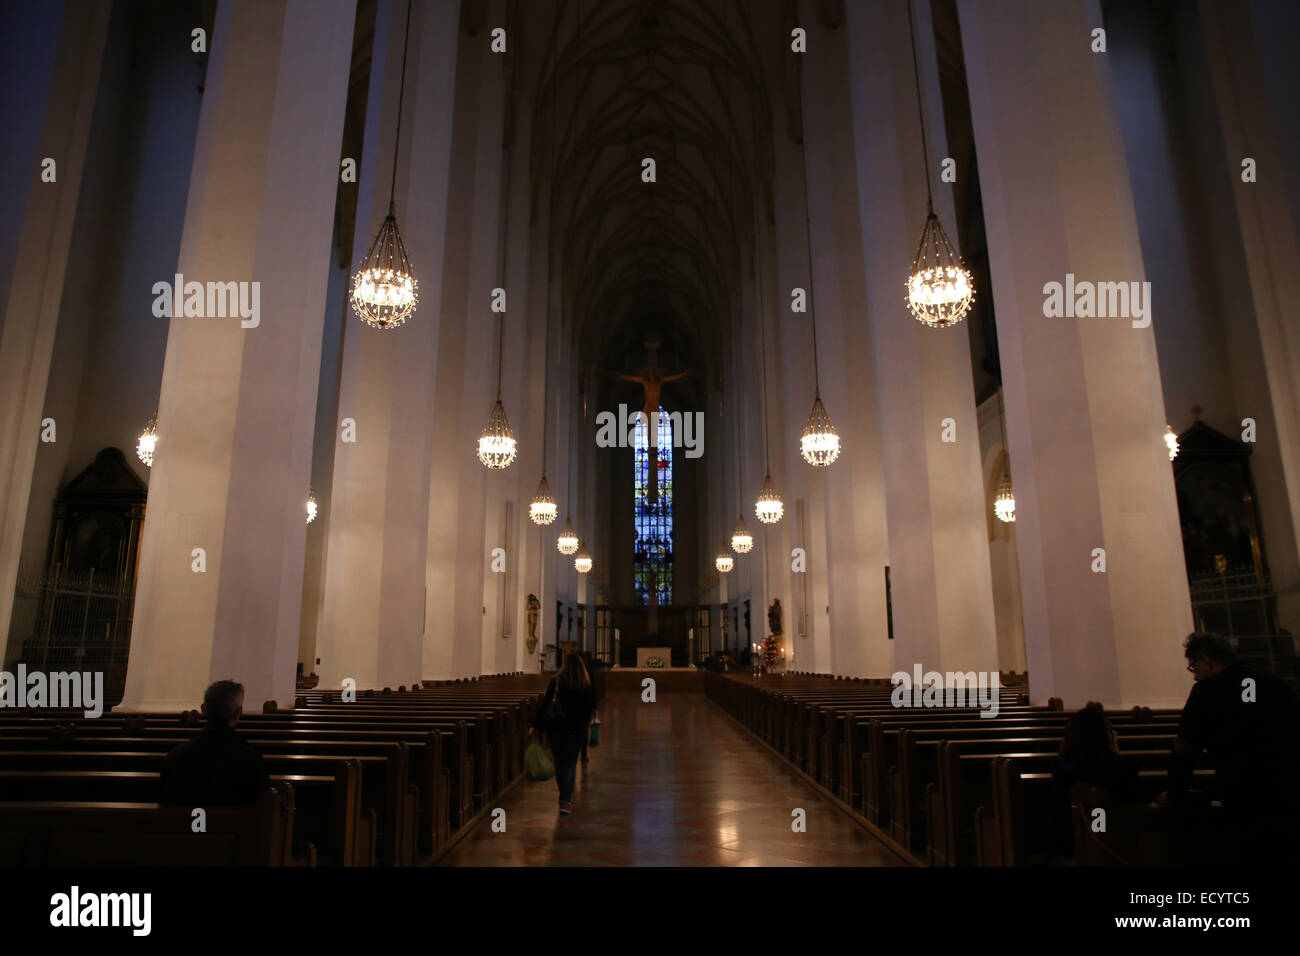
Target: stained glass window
x,y
653,539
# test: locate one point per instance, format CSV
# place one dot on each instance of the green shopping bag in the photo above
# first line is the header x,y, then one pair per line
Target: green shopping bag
x,y
538,764
593,737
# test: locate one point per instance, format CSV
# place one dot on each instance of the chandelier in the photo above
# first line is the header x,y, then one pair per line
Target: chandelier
x,y
148,441
939,289
311,507
819,445
567,542
582,563
741,539
769,507
384,290
543,508
496,446
724,562
1004,505
1171,442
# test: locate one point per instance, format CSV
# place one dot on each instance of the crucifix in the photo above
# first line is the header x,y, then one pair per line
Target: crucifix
x,y
652,379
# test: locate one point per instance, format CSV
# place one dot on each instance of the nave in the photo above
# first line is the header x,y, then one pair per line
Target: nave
x,y
672,783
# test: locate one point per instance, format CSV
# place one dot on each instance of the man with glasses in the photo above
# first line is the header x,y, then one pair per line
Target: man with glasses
x,y
1248,723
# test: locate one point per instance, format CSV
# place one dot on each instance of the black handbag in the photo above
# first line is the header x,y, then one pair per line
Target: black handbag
x,y
555,713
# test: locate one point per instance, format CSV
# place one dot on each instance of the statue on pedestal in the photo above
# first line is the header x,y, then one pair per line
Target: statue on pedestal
x,y
774,618
534,606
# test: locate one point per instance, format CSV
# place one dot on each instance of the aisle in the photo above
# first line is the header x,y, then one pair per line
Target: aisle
x,y
672,783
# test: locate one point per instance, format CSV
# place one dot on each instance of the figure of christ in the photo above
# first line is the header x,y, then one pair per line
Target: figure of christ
x,y
652,379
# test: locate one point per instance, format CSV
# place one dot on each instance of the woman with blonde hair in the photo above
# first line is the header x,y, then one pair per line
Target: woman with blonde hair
x,y
567,709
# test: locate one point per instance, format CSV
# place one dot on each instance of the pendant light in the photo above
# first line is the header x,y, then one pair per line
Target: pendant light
x,y
567,542
1004,505
148,441
582,563
384,290
312,507
820,444
724,562
497,446
1171,442
741,540
543,510
768,507
939,288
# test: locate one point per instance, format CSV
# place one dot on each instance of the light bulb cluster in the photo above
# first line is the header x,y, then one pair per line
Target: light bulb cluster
x,y
769,508
724,562
939,289
384,290
311,507
148,442
582,562
1004,505
497,446
820,444
542,510
567,540
741,540
1171,442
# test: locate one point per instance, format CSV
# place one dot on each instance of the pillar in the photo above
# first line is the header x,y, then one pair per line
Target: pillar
x,y
238,393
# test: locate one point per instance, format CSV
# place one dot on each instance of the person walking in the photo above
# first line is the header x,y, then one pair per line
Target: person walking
x,y
567,709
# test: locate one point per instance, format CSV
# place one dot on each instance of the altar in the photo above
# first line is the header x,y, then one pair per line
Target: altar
x,y
648,658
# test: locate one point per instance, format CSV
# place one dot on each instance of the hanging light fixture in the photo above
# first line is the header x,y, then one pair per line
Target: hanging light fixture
x,y
769,507
543,508
148,441
496,446
939,289
741,539
820,444
567,542
1171,442
311,507
1004,503
582,563
724,562
384,290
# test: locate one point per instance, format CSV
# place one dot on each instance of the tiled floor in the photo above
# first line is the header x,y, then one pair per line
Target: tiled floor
x,y
672,783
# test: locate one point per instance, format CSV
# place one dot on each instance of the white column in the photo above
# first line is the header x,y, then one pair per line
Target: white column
x,y
238,394
373,622
1085,412
938,546
40,219
1266,220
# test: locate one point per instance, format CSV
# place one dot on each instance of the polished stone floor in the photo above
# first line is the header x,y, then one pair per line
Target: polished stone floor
x,y
673,783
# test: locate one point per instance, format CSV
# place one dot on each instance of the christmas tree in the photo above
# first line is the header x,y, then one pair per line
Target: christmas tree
x,y
771,652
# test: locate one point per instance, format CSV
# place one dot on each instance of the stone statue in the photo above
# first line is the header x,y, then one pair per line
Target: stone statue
x,y
534,606
774,617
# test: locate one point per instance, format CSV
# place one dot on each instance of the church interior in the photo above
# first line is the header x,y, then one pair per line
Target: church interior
x,y
857,401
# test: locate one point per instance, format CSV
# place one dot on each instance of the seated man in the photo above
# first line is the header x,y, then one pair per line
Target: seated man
x,y
216,767
1249,725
